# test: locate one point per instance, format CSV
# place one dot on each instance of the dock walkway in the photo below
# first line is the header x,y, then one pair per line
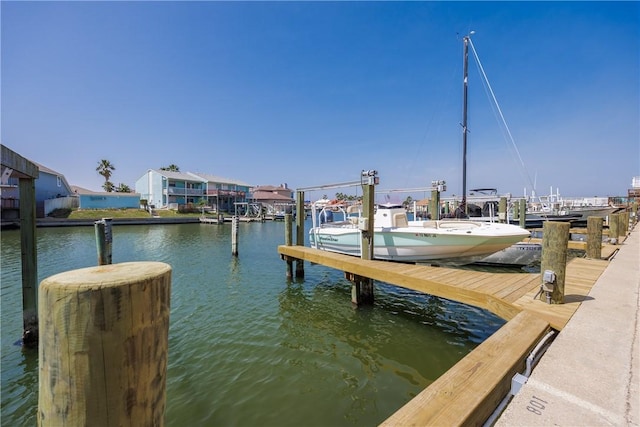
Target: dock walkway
x,y
504,294
590,374
469,392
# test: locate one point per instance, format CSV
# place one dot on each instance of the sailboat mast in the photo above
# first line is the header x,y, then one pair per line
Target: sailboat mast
x,y
464,120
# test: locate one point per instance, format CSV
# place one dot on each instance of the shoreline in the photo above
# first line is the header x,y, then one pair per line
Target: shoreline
x,y
65,222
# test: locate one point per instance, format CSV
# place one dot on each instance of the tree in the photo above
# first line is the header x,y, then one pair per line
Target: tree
x,y
408,202
123,188
108,186
171,168
105,167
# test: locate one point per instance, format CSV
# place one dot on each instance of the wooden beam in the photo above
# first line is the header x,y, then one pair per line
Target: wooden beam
x,y
22,168
468,393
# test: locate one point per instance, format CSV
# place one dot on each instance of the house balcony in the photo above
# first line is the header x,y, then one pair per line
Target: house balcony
x,y
231,193
175,191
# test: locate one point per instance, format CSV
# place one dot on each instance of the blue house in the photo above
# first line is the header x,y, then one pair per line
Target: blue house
x,y
170,190
51,191
88,199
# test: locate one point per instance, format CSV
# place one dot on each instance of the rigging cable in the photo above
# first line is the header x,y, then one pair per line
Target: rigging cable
x,y
504,122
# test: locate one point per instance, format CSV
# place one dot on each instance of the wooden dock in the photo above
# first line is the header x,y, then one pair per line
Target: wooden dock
x,y
504,294
469,392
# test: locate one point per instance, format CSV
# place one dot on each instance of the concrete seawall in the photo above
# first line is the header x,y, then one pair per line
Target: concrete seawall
x,y
63,222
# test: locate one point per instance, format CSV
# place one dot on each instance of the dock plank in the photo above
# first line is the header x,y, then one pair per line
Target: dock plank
x,y
504,294
467,394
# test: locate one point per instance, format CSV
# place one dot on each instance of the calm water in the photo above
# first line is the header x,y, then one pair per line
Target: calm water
x,y
247,347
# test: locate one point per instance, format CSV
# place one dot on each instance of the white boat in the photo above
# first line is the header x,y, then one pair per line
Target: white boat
x,y
398,239
395,238
518,255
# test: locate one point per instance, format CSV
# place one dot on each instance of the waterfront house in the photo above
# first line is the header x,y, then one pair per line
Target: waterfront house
x,y
174,190
275,199
88,199
52,191
222,193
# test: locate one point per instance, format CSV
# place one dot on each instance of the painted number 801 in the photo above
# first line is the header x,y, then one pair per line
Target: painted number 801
x,y
536,405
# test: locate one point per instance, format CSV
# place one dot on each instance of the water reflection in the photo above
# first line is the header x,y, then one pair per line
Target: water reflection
x,y
247,346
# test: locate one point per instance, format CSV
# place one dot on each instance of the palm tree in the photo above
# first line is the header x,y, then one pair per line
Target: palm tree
x,y
171,168
105,167
108,186
123,188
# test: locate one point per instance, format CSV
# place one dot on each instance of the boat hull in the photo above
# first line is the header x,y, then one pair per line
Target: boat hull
x,y
463,242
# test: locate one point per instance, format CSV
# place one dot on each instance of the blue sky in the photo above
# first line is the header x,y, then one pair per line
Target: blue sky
x,y
311,93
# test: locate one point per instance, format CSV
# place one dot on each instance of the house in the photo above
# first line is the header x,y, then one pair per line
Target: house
x,y
52,191
276,198
88,199
224,192
168,189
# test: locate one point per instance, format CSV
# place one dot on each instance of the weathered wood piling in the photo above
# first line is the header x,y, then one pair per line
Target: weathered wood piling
x,y
594,237
103,352
553,264
104,240
288,240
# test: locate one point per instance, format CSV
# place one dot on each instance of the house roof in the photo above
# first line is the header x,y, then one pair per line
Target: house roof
x,y
268,195
84,191
44,169
219,179
270,188
81,190
185,176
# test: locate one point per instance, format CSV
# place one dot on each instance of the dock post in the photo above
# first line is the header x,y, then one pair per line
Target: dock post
x,y
362,287
523,213
627,226
614,233
288,240
555,241
621,229
594,237
29,260
634,213
434,204
234,235
104,240
300,217
502,210
103,355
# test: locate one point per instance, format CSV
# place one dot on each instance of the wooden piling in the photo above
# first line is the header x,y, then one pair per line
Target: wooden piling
x,y
523,213
625,223
288,240
594,237
300,217
103,352
434,204
362,287
614,233
555,239
29,262
104,240
234,235
502,210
